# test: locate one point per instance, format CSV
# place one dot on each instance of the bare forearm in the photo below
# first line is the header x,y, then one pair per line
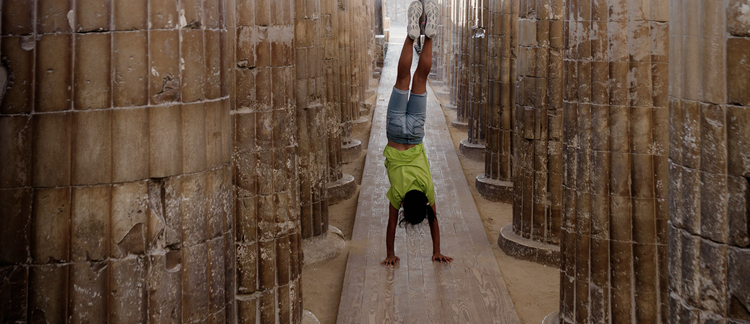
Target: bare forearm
x,y
435,234
390,234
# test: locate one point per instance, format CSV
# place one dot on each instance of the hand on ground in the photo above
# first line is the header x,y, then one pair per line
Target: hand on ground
x,y
441,258
391,260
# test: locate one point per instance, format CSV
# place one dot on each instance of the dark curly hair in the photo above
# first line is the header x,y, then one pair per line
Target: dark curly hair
x,y
416,208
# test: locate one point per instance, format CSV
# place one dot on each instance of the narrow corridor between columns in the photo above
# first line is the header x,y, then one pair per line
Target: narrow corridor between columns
x,y
468,290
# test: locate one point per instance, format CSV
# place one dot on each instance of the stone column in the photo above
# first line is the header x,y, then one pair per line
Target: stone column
x,y
340,186
495,183
350,147
709,173
473,146
265,162
462,68
455,50
615,165
537,197
442,64
311,118
437,50
378,16
115,146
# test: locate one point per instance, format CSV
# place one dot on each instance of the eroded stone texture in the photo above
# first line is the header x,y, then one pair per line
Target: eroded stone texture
x,y
265,159
538,122
615,165
709,237
476,101
349,111
311,118
501,79
115,142
463,56
333,101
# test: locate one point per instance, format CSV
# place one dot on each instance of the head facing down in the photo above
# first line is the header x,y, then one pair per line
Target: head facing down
x,y
416,208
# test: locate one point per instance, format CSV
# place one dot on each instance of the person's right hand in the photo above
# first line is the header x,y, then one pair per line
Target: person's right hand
x,y
390,260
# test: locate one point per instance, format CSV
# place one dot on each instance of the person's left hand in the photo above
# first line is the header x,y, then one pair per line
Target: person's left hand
x,y
441,258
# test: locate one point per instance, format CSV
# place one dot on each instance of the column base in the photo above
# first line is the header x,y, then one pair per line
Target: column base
x,y
526,249
365,109
309,318
324,247
451,106
341,190
460,125
552,318
351,151
472,151
495,190
361,125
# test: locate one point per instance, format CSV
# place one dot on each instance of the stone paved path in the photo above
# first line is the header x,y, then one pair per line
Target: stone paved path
x,y
469,290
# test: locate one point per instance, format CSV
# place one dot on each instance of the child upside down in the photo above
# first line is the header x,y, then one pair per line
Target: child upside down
x,y
405,159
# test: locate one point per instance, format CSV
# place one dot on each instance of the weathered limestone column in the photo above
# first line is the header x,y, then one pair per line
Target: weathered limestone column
x,y
265,162
340,186
441,64
473,146
350,147
537,197
437,49
115,149
709,173
614,227
455,52
496,182
311,118
463,67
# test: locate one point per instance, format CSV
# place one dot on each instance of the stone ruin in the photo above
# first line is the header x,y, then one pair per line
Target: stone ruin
x,y
160,160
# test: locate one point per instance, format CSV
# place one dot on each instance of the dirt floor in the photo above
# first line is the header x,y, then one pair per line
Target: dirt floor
x,y
533,287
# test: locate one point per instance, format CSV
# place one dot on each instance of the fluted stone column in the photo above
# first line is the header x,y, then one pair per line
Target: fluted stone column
x,y
340,186
266,163
709,186
436,73
115,149
311,118
455,50
441,63
495,183
350,147
614,227
463,67
476,114
537,197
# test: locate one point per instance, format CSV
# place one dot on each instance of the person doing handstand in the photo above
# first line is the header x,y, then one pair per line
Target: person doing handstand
x,y
405,159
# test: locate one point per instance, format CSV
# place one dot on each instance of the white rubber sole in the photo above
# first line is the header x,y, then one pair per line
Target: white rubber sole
x,y
432,11
414,12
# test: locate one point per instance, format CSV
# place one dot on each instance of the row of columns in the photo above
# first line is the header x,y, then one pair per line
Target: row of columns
x,y
618,135
162,160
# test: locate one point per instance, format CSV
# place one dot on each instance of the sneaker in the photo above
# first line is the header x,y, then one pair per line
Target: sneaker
x,y
432,12
415,11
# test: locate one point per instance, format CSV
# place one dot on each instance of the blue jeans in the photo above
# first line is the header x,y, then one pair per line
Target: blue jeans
x,y
406,116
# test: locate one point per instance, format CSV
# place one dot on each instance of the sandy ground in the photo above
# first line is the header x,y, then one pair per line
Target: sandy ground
x,y
533,287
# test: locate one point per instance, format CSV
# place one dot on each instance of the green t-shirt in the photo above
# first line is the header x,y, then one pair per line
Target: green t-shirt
x,y
408,170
